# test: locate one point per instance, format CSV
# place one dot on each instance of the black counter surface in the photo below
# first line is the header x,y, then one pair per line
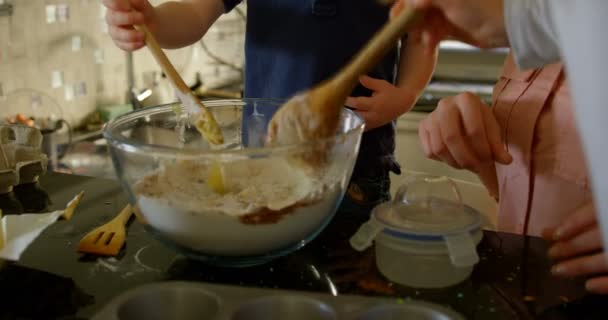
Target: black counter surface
x,y
53,281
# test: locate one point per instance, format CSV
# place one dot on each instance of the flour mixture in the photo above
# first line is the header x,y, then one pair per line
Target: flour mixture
x,y
253,186
270,203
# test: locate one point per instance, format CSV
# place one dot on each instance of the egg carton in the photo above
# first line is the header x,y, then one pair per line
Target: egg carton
x,y
191,300
21,158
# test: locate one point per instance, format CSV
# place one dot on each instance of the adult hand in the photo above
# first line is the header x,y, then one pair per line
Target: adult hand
x,y
463,133
122,15
479,23
386,103
578,248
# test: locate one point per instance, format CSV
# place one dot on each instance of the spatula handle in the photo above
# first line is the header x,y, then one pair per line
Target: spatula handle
x,y
163,61
376,48
124,216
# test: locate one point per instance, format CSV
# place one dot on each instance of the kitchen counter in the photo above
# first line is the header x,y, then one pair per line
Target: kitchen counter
x,y
53,281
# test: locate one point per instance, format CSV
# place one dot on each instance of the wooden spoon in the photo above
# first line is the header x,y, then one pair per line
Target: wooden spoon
x,y
315,114
204,121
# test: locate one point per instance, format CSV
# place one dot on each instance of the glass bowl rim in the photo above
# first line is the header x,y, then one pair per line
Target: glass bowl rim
x,y
131,145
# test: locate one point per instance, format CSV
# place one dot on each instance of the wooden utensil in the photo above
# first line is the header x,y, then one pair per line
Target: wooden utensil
x,y
204,121
315,114
108,239
71,207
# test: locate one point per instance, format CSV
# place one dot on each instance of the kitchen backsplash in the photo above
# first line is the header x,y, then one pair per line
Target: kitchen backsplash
x,y
57,54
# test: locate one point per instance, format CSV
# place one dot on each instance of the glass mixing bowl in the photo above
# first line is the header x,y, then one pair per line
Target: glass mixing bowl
x,y
274,203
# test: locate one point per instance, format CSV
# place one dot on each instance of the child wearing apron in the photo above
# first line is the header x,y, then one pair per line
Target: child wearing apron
x,y
547,178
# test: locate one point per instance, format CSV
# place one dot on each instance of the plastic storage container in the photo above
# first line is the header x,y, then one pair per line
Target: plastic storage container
x,y
425,237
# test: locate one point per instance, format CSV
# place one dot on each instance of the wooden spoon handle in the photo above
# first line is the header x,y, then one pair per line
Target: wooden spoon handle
x,y
205,122
163,61
376,49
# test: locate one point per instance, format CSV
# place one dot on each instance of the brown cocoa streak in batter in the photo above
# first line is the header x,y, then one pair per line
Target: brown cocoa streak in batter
x,y
268,216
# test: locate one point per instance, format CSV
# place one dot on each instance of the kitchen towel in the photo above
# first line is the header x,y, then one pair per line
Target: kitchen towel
x,y
19,231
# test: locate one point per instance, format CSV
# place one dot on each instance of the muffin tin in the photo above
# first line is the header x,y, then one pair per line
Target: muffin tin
x,y
189,300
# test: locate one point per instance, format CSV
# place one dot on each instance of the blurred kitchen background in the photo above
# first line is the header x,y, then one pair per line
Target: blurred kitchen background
x,y
59,66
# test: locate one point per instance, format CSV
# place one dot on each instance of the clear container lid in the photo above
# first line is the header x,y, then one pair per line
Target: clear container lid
x,y
426,208
427,205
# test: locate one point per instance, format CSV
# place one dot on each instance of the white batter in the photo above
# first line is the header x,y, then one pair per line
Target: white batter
x,y
177,201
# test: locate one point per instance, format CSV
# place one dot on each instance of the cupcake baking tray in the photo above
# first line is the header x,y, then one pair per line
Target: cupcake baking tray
x,y
190,300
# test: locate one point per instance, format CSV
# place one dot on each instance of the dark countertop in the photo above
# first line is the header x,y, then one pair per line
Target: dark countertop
x,y
53,281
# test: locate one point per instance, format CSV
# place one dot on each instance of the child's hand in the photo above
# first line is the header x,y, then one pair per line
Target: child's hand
x,y
386,103
463,133
578,248
122,15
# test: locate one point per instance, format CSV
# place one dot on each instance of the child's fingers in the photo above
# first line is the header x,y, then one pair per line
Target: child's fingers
x,y
456,141
118,5
579,221
438,147
547,233
500,154
425,143
360,103
598,285
586,242
470,107
129,46
373,83
583,266
139,4
119,18
487,175
126,34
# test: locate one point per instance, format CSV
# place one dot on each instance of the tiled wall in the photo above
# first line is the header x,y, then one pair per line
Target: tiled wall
x,y
60,50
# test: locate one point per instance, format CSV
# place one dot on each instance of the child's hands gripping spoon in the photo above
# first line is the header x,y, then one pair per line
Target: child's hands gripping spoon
x,y
315,114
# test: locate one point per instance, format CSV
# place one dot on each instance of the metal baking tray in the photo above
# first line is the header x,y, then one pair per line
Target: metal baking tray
x,y
194,300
